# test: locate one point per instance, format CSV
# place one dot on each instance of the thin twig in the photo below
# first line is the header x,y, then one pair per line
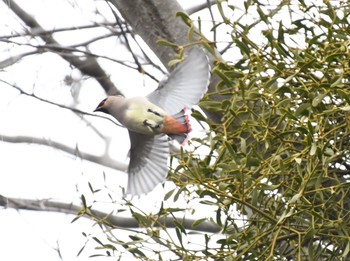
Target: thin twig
x,y
58,104
124,34
90,67
200,7
38,32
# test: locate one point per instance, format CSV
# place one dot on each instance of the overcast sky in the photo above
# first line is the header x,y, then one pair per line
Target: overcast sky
x,y
41,172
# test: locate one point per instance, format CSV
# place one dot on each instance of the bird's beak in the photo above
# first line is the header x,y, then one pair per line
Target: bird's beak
x,y
101,107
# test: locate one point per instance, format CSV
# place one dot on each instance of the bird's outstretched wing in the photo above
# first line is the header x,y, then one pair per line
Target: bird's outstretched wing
x,y
186,84
148,162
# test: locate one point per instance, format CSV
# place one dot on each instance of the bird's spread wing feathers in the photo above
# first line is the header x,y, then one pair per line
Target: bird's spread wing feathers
x,y
148,162
186,84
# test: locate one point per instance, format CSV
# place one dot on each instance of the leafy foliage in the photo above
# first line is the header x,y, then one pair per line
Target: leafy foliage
x,y
283,144
276,170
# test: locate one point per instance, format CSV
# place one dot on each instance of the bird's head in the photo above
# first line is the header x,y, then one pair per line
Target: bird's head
x,y
111,104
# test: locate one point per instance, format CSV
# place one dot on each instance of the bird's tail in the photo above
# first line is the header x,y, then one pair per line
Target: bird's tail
x,y
177,126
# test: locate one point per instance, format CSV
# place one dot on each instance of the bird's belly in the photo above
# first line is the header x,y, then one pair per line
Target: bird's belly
x,y
143,121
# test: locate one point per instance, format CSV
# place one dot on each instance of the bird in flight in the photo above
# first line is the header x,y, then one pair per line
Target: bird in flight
x,y
161,115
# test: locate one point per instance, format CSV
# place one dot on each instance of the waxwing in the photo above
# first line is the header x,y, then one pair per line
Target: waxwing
x,y
152,119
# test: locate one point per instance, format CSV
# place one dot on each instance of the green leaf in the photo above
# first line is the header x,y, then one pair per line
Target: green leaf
x,y
178,234
172,210
313,149
173,62
289,114
316,101
81,250
91,189
230,148
347,249
221,11
185,18
262,15
167,43
210,105
191,32
178,193
242,46
252,161
285,214
337,81
295,197
223,186
218,217
198,222
243,146
135,238
198,115
280,36
223,77
136,252
285,102
169,194
143,221
98,241
234,74
76,218
208,202
303,109
83,200
309,235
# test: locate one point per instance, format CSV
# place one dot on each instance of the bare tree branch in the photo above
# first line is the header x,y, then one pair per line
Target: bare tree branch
x,y
14,59
104,160
114,220
200,7
88,66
